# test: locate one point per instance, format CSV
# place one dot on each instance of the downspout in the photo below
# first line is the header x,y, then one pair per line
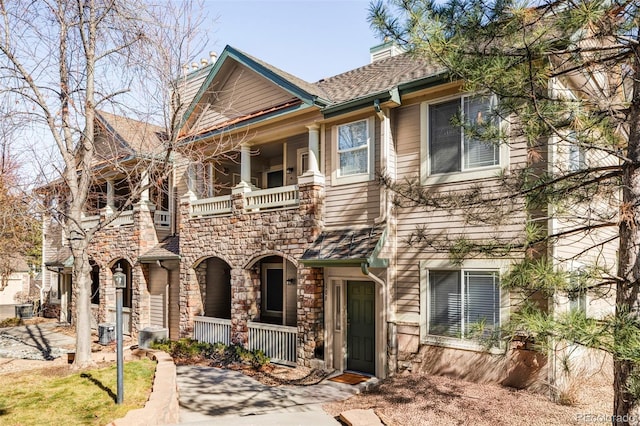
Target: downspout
x,y
385,137
388,323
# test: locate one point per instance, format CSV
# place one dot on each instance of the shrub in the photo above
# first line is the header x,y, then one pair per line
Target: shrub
x,y
10,322
189,350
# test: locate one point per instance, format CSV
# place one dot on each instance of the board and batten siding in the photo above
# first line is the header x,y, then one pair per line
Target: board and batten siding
x,y
352,204
242,93
438,223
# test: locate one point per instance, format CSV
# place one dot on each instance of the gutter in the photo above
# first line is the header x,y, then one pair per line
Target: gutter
x,y
393,94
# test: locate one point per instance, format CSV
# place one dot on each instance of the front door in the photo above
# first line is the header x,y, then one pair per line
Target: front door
x,y
361,326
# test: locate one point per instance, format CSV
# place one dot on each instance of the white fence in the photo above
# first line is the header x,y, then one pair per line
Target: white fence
x,y
261,199
278,342
214,206
212,330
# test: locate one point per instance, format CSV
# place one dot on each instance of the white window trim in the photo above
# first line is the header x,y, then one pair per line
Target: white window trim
x,y
265,295
500,266
335,163
426,178
299,153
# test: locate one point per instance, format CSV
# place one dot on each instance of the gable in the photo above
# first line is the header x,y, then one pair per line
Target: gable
x,y
237,91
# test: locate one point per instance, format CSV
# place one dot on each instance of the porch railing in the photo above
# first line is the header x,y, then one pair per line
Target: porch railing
x,y
214,206
212,330
124,219
90,221
278,342
284,196
162,219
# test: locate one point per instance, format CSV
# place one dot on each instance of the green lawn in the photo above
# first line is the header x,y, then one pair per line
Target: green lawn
x,y
86,398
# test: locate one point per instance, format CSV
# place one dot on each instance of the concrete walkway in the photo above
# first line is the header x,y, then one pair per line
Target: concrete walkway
x,y
35,341
225,397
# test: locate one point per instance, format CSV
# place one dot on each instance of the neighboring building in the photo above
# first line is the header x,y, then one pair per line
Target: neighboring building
x,y
278,236
15,287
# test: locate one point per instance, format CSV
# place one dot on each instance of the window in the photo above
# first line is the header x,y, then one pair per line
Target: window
x,y
577,155
462,302
450,150
353,148
303,160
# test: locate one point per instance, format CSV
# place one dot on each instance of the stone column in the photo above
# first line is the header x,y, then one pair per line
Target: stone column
x,y
243,303
310,316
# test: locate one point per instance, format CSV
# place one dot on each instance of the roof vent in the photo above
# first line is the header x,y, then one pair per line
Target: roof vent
x,y
213,56
204,62
194,65
385,50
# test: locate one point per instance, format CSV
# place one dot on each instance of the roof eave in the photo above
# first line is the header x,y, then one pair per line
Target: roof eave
x,y
394,94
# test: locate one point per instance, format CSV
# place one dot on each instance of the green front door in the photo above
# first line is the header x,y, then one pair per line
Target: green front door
x,y
361,326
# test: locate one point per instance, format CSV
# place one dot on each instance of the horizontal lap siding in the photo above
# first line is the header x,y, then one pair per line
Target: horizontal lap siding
x,y
437,222
351,204
243,92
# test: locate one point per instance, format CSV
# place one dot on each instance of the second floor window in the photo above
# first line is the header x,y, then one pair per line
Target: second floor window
x,y
451,149
353,148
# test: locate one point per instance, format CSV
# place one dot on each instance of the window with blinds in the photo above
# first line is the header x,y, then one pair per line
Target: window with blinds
x,y
461,302
450,149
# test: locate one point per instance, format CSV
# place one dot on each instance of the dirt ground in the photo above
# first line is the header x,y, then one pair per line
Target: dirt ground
x,y
409,399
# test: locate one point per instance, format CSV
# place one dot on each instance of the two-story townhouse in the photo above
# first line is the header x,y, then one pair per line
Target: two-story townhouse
x,y
281,238
129,154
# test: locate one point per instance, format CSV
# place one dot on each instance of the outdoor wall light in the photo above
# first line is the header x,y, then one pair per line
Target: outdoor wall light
x,y
291,281
289,170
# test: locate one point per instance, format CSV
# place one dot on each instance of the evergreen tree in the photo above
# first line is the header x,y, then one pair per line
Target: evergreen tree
x,y
566,77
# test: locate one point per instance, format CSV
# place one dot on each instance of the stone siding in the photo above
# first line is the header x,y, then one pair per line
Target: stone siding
x,y
243,238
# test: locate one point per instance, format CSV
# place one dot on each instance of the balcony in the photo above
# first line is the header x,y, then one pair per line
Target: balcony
x,y
254,201
161,220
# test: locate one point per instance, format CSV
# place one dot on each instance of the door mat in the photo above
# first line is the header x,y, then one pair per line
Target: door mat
x,y
350,378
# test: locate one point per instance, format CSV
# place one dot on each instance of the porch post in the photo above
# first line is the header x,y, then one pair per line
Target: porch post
x,y
314,148
144,181
245,165
110,197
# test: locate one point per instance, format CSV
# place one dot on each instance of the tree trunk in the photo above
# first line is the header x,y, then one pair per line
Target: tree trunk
x,y
82,300
629,262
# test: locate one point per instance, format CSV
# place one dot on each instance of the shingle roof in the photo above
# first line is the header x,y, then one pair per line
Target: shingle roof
x,y
379,76
169,248
345,245
130,137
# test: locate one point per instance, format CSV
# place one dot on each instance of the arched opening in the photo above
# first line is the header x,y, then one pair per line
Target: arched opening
x,y
278,290
214,278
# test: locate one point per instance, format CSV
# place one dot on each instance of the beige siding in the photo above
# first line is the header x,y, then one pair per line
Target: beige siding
x,y
158,281
355,203
438,223
243,92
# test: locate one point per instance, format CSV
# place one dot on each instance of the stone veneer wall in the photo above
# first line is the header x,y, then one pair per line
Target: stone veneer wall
x,y
126,242
242,238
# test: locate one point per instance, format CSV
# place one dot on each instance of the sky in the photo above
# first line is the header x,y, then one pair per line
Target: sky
x,y
311,39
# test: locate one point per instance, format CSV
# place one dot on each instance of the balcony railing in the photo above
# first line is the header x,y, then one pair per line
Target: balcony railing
x,y
124,219
272,198
162,219
90,221
215,206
